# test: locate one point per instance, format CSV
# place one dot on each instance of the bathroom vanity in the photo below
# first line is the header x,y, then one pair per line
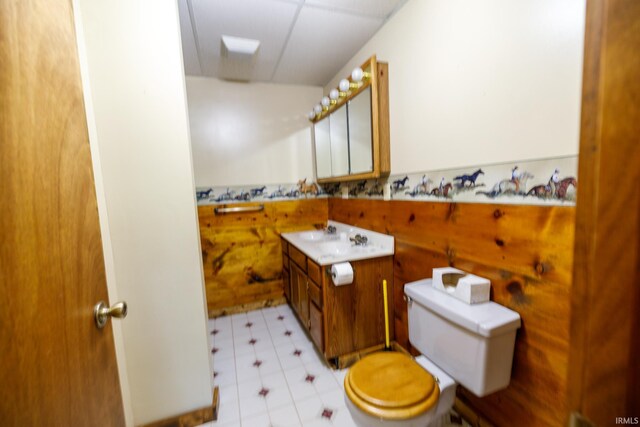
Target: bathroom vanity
x,y
340,319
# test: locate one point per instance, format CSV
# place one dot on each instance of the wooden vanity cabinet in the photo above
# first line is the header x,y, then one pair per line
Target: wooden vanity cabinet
x,y
286,283
298,286
340,319
300,302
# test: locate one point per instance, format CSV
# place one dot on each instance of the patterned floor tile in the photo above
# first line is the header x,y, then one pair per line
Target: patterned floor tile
x,y
333,399
222,350
249,388
252,405
229,412
270,374
285,416
309,409
260,420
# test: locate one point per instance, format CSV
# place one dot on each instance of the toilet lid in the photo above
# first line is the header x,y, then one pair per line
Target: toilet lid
x,y
391,385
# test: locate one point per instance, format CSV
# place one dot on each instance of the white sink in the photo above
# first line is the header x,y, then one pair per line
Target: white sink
x,y
313,236
326,249
335,248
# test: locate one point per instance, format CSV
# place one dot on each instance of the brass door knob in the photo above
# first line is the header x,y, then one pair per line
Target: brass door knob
x,y
102,312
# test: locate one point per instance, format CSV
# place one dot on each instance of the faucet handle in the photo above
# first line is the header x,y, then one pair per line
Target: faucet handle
x,y
359,239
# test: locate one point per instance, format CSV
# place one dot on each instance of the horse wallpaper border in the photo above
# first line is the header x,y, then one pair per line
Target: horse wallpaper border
x,y
534,182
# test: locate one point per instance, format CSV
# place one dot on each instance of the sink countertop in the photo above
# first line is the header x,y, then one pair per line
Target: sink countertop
x,y
327,249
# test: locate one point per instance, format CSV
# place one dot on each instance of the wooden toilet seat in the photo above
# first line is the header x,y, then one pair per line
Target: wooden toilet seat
x,y
391,385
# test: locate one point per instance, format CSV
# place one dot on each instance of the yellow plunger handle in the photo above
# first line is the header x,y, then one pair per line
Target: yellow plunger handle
x,y
386,314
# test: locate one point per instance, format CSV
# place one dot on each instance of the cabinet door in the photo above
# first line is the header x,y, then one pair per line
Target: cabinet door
x,y
303,297
294,278
286,285
315,325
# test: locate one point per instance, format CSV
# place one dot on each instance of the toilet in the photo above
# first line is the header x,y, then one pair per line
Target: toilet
x,y
460,343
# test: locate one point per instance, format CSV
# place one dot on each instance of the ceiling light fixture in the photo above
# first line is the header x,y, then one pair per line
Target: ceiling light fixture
x,y
346,87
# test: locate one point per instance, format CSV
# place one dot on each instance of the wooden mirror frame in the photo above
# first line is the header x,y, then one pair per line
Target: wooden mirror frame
x,y
379,84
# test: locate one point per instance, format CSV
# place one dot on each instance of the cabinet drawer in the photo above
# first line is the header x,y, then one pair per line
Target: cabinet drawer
x,y
313,271
315,294
315,326
285,246
298,257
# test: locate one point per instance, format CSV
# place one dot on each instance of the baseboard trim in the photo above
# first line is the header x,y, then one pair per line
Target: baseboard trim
x,y
192,418
242,308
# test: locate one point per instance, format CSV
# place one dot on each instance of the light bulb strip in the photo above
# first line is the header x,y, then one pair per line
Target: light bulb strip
x,y
330,103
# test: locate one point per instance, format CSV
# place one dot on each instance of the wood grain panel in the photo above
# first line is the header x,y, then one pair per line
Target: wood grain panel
x,y
605,327
56,367
286,283
350,308
313,271
315,325
242,252
298,257
315,294
526,252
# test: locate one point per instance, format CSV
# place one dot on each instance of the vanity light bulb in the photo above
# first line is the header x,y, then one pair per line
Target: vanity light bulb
x,y
317,109
344,85
334,94
311,114
326,101
357,74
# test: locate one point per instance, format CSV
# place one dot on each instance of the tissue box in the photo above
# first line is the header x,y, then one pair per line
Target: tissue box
x,y
466,287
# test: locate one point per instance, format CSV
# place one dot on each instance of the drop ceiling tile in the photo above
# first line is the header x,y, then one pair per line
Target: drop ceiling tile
x,y
189,50
268,21
321,42
378,8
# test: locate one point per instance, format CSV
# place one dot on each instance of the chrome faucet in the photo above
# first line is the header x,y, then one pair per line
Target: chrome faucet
x,y
359,240
330,229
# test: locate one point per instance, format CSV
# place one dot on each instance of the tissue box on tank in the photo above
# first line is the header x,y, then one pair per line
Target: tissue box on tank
x,y
466,287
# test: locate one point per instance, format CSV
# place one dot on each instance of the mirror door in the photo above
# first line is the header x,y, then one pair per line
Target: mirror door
x,y
360,141
323,148
339,136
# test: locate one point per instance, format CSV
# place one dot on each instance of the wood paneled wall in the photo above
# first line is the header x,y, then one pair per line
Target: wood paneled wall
x,y
242,255
526,252
604,373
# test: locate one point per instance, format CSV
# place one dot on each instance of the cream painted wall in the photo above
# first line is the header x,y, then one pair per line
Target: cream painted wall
x,y
131,65
249,133
480,82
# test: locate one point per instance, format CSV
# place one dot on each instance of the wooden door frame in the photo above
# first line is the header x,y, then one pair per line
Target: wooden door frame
x,y
604,375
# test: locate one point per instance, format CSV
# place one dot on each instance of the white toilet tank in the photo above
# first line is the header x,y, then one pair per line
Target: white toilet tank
x,y
472,343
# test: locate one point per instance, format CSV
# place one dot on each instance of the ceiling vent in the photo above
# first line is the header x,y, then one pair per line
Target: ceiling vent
x,y
239,48
238,58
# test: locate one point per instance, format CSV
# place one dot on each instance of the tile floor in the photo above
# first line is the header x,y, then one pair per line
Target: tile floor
x,y
269,374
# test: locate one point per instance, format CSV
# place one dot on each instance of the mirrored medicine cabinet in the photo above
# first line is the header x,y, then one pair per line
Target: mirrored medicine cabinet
x,y
351,135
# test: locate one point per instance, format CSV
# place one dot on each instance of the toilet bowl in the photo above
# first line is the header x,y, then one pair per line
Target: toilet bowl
x,y
469,344
392,389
